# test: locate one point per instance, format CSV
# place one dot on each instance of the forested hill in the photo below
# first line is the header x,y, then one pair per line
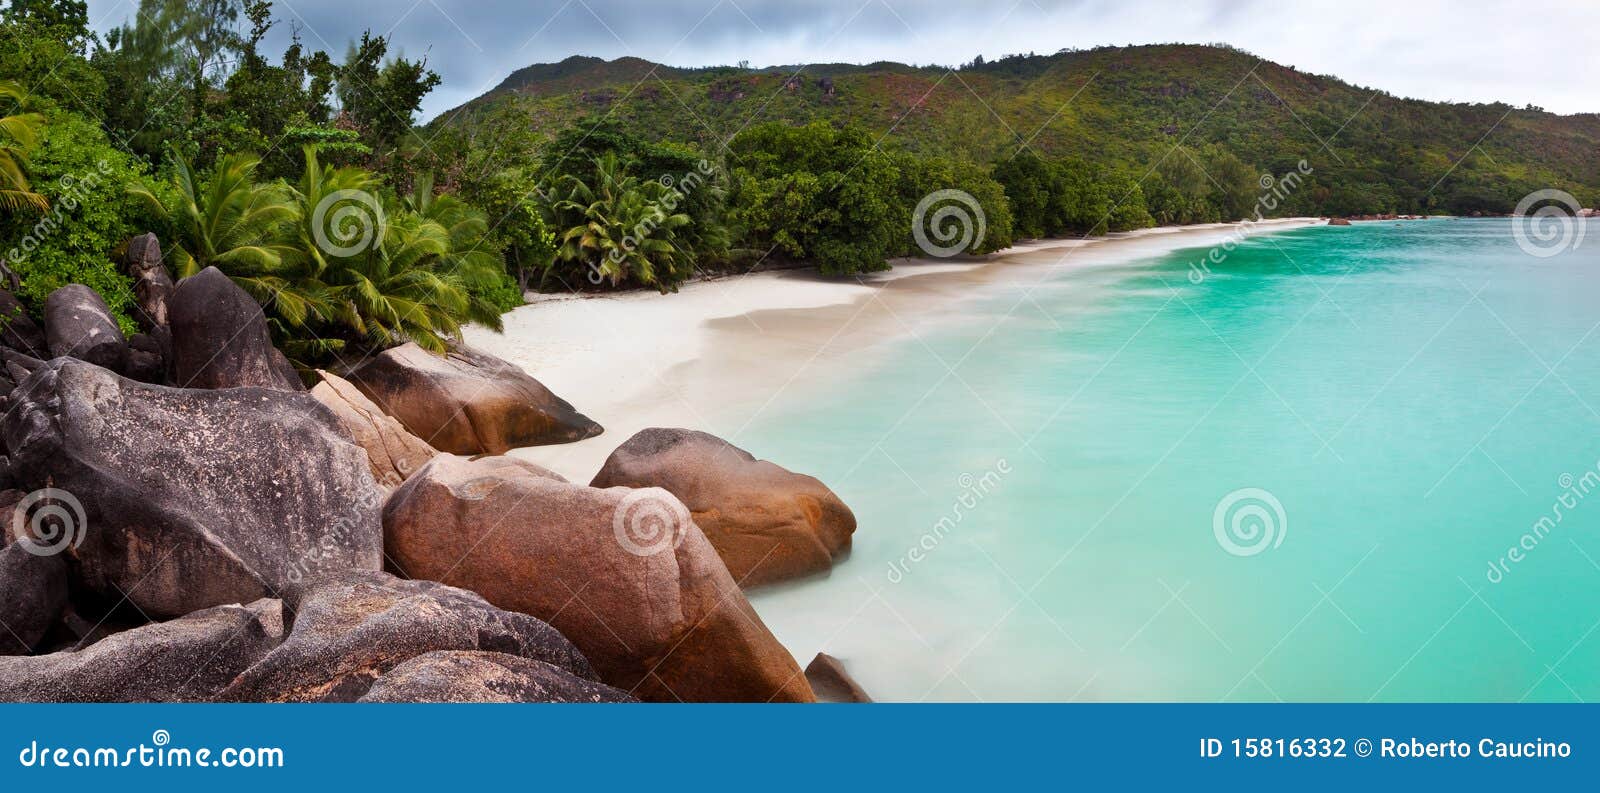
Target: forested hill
x,y
1123,107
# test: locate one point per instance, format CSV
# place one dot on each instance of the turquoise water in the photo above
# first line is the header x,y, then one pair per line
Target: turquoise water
x,y
1414,398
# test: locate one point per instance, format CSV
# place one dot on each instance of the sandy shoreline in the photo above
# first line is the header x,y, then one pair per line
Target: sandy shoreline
x,y
718,355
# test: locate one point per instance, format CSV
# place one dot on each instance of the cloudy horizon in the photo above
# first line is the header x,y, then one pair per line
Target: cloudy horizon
x,y
1456,51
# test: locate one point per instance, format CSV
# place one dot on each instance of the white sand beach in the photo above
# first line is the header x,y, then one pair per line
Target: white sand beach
x,y
718,354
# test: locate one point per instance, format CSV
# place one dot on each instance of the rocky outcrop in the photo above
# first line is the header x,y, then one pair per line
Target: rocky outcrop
x,y
768,523
17,329
392,452
145,360
152,285
467,402
33,593
349,630
185,660
194,498
78,324
833,682
625,574
465,676
220,338
1338,222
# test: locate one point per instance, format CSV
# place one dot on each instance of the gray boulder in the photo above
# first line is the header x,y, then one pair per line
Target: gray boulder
x,y
220,338
78,324
467,676
33,593
351,629
185,660
194,498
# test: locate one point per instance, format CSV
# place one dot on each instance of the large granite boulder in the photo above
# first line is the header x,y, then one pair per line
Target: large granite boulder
x,y
768,523
193,498
392,451
468,676
17,329
78,324
33,594
185,660
624,574
351,629
220,337
468,402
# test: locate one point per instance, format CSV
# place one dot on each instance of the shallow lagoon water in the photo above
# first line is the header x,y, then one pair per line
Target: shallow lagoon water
x,y
1373,415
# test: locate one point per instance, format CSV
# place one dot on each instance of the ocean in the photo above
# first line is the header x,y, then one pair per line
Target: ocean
x,y
1325,464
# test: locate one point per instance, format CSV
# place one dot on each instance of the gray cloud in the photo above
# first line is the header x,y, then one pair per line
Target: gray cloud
x,y
1462,50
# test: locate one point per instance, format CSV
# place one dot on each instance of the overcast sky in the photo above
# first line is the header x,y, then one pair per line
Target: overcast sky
x,y
1542,52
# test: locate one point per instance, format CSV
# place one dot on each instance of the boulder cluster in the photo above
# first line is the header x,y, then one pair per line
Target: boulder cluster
x,y
182,519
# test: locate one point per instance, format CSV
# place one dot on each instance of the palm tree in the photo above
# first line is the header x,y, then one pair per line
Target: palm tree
x,y
404,274
226,220
468,260
620,227
19,132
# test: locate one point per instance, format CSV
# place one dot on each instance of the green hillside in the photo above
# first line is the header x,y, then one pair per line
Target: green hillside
x,y
1125,107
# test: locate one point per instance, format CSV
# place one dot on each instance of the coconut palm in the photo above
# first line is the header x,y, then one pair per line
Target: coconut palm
x,y
621,228
469,260
19,132
225,219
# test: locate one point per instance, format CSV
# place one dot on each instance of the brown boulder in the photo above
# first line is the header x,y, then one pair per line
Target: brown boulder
x,y
468,402
220,337
351,629
189,498
185,660
1338,222
832,681
152,285
467,676
768,523
624,574
78,324
392,451
33,594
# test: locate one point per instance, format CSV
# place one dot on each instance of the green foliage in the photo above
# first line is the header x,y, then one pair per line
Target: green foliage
x,y
518,230
381,96
817,193
618,228
42,42
19,133
922,176
83,177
